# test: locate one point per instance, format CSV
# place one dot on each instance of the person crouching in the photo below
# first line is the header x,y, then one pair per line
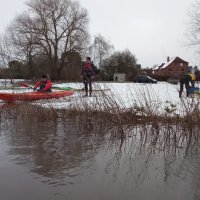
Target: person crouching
x,y
187,80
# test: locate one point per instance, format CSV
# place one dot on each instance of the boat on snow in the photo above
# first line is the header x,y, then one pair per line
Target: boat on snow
x,y
32,96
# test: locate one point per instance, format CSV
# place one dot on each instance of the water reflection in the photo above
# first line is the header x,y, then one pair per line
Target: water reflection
x,y
169,167
51,158
48,147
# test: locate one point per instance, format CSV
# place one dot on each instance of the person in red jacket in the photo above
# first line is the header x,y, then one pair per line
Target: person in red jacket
x,y
44,84
87,75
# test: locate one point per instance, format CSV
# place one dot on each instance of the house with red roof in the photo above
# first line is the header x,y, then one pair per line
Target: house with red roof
x,y
173,68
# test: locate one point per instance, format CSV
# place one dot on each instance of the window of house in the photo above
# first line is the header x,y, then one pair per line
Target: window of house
x,y
181,64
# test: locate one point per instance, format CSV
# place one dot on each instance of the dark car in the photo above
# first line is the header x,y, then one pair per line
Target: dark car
x,y
144,79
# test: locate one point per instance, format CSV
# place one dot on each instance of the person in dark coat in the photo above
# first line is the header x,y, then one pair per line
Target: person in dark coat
x,y
44,84
197,73
87,75
187,80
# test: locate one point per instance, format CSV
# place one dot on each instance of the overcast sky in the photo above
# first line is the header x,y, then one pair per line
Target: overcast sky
x,y
150,29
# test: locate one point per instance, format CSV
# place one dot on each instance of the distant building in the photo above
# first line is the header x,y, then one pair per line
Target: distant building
x,y
119,77
173,68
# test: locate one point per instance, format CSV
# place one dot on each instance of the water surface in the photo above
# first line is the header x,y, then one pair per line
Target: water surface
x,y
57,160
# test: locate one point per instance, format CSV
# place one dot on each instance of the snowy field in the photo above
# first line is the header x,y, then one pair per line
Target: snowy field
x,y
157,97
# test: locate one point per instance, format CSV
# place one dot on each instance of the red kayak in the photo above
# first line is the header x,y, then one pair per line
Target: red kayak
x,y
31,96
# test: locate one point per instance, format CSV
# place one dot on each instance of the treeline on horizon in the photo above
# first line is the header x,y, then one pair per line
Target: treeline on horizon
x,y
52,37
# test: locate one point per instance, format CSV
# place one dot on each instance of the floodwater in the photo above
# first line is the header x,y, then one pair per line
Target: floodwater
x,y
45,159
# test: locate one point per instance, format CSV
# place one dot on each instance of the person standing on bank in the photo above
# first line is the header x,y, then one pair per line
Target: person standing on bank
x,y
44,84
197,73
87,75
186,80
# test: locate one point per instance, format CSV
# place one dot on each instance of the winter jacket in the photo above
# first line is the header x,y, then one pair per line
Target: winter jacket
x,y
88,69
44,86
189,77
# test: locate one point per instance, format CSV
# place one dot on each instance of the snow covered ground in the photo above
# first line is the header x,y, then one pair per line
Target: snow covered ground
x,y
157,97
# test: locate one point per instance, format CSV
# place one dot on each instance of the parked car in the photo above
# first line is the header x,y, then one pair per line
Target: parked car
x,y
173,80
144,79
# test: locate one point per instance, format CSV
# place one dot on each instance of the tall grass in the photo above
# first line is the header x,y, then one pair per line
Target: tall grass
x,y
169,122
107,112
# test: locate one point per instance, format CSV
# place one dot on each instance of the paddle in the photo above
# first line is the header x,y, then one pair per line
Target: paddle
x,y
25,85
53,87
62,88
28,86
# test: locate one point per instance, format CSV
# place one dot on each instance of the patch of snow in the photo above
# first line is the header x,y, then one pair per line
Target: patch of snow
x,y
124,95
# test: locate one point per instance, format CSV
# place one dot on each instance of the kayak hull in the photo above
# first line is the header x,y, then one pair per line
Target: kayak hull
x,y
32,96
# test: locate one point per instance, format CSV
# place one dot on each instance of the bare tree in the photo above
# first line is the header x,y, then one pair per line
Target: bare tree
x,y
121,62
5,52
100,50
5,58
51,28
193,33
25,44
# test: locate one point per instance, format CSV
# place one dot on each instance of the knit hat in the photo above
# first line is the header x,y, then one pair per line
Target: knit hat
x,y
44,76
88,58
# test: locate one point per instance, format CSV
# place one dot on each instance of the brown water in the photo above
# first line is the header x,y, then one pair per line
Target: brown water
x,y
54,160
